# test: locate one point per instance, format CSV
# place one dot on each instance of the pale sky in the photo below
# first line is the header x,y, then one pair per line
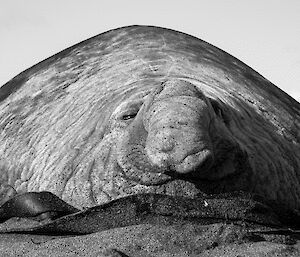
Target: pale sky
x,y
265,34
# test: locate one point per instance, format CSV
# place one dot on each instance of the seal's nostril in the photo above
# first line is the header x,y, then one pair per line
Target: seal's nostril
x,y
201,160
166,144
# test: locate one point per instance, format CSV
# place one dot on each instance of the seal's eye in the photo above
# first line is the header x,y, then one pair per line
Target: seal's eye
x,y
130,110
128,116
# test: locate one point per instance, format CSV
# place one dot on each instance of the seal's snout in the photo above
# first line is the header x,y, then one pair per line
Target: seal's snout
x,y
167,142
178,130
180,151
169,136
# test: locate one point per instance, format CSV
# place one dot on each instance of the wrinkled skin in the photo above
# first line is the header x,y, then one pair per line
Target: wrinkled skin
x,y
170,136
147,110
173,142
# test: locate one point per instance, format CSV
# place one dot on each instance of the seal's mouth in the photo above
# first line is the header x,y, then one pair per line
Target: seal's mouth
x,y
185,185
136,166
196,182
174,188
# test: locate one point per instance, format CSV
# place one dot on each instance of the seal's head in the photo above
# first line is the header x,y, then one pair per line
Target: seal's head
x,y
174,139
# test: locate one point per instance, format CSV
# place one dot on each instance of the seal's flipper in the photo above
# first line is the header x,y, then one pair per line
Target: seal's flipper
x,y
33,204
162,209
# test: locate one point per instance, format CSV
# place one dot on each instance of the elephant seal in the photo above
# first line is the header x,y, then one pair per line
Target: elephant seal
x,y
142,110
